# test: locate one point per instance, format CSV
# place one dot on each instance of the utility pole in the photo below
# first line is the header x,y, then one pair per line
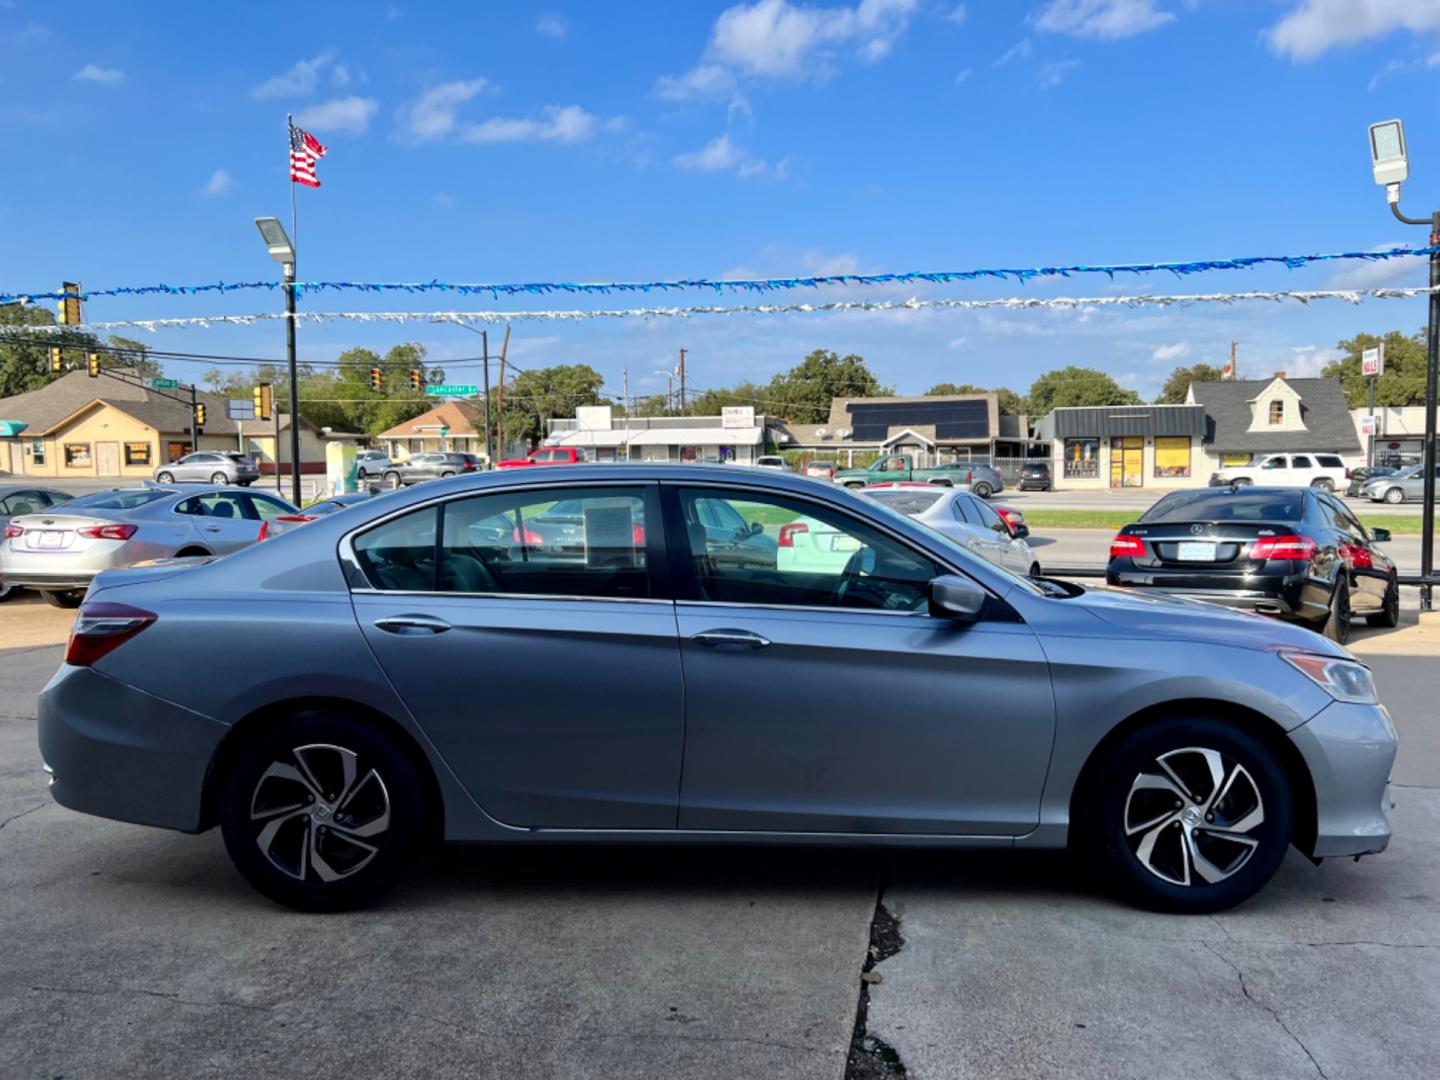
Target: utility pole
x,y
485,368
1234,366
625,400
500,396
682,382
670,397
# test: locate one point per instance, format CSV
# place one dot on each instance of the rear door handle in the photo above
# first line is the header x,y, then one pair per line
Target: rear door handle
x,y
412,624
212,528
743,638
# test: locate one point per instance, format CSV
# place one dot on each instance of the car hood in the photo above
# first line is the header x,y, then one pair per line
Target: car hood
x,y
1152,615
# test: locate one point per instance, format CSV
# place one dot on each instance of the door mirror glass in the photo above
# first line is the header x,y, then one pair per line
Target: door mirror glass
x,y
1380,536
755,528
955,597
1020,531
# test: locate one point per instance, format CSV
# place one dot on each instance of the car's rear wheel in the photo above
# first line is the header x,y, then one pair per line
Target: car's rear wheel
x,y
1337,623
392,480
219,478
164,478
1394,496
1187,815
66,598
321,813
982,489
7,591
1389,614
1243,481
854,485
447,473
1323,485
1035,569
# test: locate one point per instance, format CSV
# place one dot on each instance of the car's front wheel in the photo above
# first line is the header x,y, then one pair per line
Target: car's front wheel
x,y
164,478
1388,617
1395,496
1187,815
322,813
392,480
219,478
1337,624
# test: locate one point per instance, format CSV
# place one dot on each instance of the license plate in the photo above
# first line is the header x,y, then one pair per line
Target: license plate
x,y
844,543
51,538
1191,551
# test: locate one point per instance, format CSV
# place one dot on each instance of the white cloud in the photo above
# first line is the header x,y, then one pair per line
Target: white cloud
x,y
704,82
220,184
1383,274
962,76
443,199
959,15
1021,50
299,81
347,115
432,116
1313,27
1167,353
1105,20
958,343
340,75
1307,361
554,26
778,39
104,76
1053,74
717,155
557,123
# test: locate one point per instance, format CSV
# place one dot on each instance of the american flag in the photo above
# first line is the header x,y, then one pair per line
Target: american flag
x,y
305,150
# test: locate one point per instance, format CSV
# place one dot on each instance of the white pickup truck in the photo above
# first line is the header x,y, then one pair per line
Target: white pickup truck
x,y
1325,471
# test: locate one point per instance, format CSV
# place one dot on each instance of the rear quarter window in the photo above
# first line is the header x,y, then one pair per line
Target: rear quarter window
x,y
1329,461
1227,505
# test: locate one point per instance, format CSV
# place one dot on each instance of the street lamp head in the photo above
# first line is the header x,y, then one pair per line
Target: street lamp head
x,y
276,240
1387,152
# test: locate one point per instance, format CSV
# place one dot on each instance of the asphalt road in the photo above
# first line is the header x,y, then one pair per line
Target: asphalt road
x,y
130,952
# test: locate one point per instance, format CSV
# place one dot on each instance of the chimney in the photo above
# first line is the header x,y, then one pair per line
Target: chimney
x,y
1279,374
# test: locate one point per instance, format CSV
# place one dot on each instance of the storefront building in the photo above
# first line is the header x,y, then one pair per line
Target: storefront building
x,y
453,425
737,436
1249,418
1125,446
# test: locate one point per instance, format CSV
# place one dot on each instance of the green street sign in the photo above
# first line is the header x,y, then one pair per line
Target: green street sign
x,y
164,384
453,390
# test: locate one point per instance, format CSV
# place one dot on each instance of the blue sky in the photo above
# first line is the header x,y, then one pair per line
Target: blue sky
x,y
490,142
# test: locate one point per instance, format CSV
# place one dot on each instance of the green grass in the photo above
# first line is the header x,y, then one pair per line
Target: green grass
x,y
1398,524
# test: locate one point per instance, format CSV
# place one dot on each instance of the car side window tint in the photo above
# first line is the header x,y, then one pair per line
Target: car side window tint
x,y
1300,461
1345,521
399,555
1329,461
578,542
219,505
802,556
268,509
963,512
990,519
1274,463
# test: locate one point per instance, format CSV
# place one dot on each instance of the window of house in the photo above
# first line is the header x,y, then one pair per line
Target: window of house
x,y
1172,455
77,455
1277,411
37,451
816,558
137,453
1082,458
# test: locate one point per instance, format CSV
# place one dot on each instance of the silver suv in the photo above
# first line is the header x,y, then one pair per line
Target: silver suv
x,y
209,467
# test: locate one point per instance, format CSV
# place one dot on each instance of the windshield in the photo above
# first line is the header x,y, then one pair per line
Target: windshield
x,y
117,500
1227,504
907,502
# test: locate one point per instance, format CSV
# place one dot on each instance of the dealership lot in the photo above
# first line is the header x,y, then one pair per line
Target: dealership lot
x,y
132,952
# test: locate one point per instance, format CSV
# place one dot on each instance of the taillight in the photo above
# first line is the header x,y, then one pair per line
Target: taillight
x,y
1008,516
289,519
1356,557
1288,548
107,532
1347,472
637,535
1127,547
468,468
101,628
12,531
788,533
531,538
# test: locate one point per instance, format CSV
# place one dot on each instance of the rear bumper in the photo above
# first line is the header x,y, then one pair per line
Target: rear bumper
x,y
24,579
1349,750
117,752
1290,596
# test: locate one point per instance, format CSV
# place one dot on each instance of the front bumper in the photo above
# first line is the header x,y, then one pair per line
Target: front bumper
x,y
1349,750
118,752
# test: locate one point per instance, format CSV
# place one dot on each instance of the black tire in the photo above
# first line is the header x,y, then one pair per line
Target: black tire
x,y
1324,485
982,489
165,478
854,485
392,478
1388,617
446,475
1395,495
1244,481
1107,812
1035,570
219,478
1337,624
317,741
69,598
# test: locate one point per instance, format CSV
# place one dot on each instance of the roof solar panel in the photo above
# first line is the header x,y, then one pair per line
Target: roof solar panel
x,y
873,421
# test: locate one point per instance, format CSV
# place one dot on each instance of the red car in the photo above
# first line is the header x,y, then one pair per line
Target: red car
x,y
564,455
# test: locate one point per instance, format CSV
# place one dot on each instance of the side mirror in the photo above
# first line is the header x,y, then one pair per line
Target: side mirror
x,y
756,528
1380,536
955,597
1020,532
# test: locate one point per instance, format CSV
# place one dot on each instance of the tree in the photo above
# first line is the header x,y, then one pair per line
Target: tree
x,y
1009,402
1177,386
25,361
803,393
1076,386
1404,380
710,402
543,393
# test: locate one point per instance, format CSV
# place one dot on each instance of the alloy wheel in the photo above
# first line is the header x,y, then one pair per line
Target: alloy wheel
x,y
1395,496
1192,816
319,816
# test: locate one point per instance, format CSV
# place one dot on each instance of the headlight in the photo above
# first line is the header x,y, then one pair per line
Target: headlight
x,y
1344,680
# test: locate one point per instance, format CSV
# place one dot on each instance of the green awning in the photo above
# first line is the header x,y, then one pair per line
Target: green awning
x,y
11,428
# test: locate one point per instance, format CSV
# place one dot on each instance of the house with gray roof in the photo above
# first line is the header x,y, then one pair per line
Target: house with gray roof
x,y
117,425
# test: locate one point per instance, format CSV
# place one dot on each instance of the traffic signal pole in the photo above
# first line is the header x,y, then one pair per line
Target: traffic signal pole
x,y
294,387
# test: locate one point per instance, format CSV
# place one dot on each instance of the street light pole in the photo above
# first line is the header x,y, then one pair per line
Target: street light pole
x,y
294,384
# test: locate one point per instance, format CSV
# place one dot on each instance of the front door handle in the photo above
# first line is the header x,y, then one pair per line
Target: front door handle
x,y
743,638
212,528
412,624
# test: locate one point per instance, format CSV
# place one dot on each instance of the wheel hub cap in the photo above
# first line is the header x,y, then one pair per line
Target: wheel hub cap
x,y
1192,816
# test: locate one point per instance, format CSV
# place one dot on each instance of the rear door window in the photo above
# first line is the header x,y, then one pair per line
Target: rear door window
x,y
1300,461
1329,461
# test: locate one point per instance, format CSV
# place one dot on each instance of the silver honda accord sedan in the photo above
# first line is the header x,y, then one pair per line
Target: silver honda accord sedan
x,y
390,677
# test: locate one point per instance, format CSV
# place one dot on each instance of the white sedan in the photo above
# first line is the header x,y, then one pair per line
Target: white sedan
x,y
962,517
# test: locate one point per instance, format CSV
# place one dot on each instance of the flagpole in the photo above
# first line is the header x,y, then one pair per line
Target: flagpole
x,y
290,329
294,227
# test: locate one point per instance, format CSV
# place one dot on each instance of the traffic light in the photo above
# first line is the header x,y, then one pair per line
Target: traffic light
x,y
414,378
57,363
92,364
374,378
199,414
70,313
264,401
